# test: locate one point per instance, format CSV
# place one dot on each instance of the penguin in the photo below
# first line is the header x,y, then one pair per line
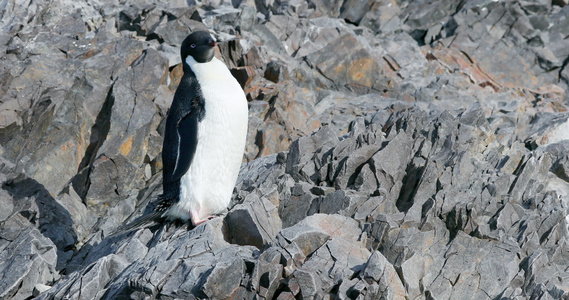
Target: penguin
x,y
205,135
204,139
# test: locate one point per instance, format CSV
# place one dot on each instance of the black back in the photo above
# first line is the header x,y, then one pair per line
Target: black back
x,y
181,134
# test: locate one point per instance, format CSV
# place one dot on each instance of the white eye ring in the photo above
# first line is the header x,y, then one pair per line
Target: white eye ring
x,y
192,45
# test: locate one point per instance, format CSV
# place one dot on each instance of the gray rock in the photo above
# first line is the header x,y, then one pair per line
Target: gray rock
x,y
353,11
40,288
276,72
383,16
255,222
299,157
344,175
28,258
381,278
315,230
351,67
224,279
327,8
42,211
268,273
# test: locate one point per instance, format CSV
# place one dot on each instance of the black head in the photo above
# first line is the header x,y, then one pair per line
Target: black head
x,y
198,45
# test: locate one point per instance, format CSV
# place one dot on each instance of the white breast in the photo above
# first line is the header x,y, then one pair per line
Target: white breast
x,y
207,186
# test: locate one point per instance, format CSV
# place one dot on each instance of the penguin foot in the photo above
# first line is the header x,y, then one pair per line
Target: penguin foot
x,y
196,220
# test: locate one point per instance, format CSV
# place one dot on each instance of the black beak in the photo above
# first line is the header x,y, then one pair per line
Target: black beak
x,y
211,43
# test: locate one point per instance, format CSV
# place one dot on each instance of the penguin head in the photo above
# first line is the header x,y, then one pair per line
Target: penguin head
x,y
198,45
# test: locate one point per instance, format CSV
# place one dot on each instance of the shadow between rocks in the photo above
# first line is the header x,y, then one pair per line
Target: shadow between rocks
x,y
34,202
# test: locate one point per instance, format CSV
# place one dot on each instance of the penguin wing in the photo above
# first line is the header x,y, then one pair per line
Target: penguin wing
x,y
187,131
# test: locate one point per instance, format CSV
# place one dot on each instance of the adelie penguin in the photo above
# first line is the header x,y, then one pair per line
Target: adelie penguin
x,y
205,135
204,138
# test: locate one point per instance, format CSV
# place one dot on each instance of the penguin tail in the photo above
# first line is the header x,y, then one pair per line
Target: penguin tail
x,y
138,223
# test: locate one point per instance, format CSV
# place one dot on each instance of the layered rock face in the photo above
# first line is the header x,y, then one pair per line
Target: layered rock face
x,y
396,150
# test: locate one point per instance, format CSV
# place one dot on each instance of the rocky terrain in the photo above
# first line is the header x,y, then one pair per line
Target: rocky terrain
x,y
396,150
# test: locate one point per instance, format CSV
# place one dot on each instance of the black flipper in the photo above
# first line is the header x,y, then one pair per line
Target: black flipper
x,y
181,134
187,131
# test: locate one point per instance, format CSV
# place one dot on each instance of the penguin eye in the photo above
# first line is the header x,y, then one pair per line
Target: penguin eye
x,y
192,46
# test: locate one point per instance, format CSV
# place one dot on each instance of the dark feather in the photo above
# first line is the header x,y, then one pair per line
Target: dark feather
x,y
139,222
181,134
154,217
188,141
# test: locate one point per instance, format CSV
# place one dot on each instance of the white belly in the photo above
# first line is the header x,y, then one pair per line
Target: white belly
x,y
207,187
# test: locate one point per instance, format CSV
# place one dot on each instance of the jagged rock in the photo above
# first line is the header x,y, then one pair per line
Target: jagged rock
x,y
353,11
379,270
312,232
28,258
348,64
254,222
268,273
383,16
275,72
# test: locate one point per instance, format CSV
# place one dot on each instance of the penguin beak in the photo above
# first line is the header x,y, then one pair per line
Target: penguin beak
x,y
211,43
